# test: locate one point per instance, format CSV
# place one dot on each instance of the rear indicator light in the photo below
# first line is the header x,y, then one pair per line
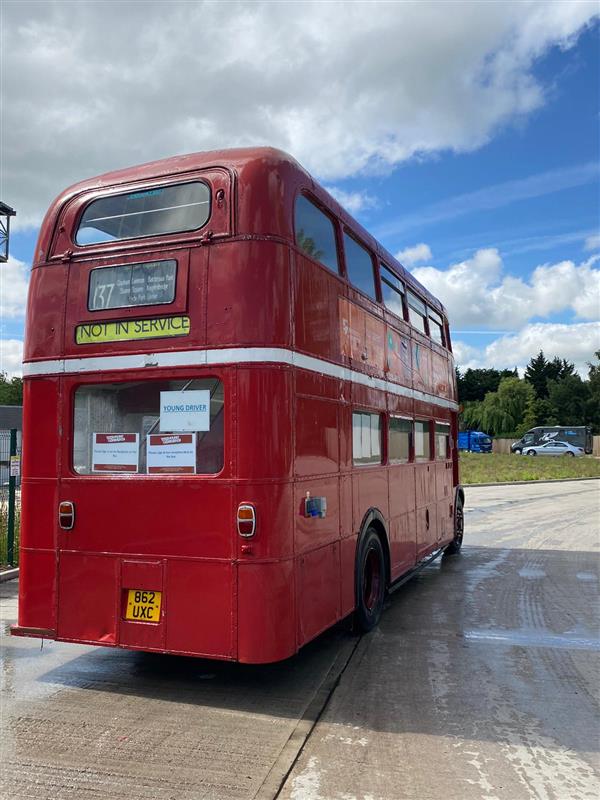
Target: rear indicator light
x,y
66,515
246,520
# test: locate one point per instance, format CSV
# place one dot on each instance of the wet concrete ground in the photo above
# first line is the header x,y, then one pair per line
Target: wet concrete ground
x,y
482,681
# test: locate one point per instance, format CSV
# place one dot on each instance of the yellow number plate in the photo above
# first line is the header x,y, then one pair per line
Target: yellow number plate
x,y
143,606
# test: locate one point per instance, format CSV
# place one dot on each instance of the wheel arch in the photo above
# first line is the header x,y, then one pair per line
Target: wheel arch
x,y
374,519
459,494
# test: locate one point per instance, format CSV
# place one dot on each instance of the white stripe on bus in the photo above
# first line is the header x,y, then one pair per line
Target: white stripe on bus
x,y
233,355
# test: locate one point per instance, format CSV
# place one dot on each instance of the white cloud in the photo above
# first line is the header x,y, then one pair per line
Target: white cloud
x,y
478,295
495,196
577,343
14,277
593,242
412,255
11,356
354,202
347,87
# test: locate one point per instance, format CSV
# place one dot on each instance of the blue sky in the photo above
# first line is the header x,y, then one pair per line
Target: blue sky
x,y
466,142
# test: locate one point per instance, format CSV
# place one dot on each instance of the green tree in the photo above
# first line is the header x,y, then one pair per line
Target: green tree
x,y
476,383
11,391
568,398
503,412
539,371
592,409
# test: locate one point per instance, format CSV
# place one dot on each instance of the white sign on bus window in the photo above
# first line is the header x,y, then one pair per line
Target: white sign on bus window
x,y
185,411
173,453
115,452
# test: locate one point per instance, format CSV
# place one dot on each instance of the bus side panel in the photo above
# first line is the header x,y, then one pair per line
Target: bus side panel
x,y
318,591
264,422
403,543
200,608
88,597
445,499
266,612
41,433
316,291
37,575
249,294
37,598
426,504
46,306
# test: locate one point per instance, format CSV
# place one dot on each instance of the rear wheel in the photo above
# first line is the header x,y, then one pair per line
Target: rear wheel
x,y
370,581
531,453
459,528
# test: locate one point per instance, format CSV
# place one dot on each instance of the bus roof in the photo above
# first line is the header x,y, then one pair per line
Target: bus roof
x,y
249,164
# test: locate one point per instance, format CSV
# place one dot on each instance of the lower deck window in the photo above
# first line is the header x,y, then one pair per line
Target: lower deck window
x,y
422,448
442,441
149,428
366,438
400,434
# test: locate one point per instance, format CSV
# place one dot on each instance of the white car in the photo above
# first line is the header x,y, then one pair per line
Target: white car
x,y
554,449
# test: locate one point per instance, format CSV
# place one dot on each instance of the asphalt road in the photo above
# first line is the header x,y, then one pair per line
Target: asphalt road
x,y
482,681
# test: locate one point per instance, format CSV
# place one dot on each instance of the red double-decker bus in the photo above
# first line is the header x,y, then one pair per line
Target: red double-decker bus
x,y
239,414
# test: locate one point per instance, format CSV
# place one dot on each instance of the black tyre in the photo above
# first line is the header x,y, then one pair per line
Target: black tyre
x,y
370,582
518,451
569,453
531,453
459,529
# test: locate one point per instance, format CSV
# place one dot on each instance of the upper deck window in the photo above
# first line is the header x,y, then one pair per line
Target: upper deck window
x,y
417,312
359,266
436,326
315,233
393,291
150,212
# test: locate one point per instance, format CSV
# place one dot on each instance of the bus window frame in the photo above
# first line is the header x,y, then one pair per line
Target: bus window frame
x,y
148,236
411,440
336,231
430,450
110,378
425,331
346,231
446,424
383,456
222,218
402,294
437,319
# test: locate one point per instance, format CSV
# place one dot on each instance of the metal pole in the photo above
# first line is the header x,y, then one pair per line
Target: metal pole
x,y
12,483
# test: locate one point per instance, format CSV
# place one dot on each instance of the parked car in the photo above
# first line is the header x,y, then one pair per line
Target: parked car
x,y
578,435
554,449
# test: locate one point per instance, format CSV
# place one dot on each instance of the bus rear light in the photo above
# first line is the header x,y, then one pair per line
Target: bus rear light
x,y
66,515
246,520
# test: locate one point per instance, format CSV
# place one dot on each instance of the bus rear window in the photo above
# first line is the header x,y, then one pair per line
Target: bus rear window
x,y
151,212
149,428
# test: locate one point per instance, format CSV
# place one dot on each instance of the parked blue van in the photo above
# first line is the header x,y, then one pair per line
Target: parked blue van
x,y
474,442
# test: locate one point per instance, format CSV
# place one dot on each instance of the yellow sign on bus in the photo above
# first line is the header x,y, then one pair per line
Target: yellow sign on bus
x,y
124,330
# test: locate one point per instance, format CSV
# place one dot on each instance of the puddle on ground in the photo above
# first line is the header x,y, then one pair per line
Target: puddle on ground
x,y
523,638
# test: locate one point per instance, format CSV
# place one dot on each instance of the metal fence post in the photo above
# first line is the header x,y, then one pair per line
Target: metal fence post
x,y
12,483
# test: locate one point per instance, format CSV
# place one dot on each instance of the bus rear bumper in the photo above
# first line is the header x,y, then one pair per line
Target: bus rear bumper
x,y
34,633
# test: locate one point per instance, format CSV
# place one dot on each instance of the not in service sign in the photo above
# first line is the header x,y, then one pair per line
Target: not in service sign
x,y
173,454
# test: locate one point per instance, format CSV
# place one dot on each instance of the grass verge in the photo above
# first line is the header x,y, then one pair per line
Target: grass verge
x,y
500,468
4,531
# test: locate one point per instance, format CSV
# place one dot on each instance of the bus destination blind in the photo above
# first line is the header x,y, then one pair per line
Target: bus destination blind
x,y
148,284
